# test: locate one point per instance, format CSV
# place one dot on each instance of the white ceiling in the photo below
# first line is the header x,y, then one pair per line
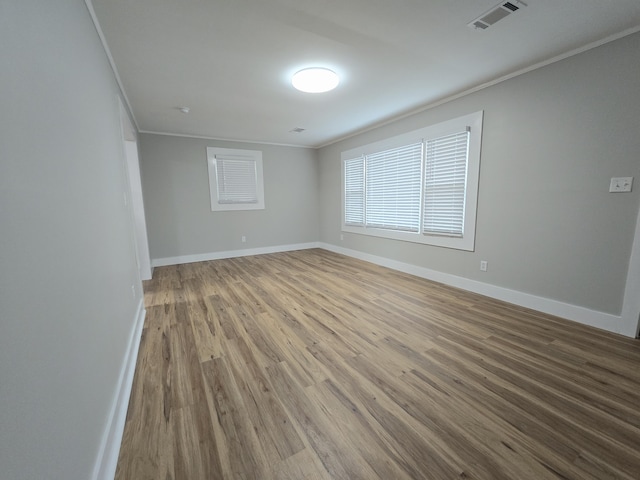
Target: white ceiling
x,y
231,61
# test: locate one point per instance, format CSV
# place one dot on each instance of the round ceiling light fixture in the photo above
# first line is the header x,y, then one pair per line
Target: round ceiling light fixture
x,y
315,80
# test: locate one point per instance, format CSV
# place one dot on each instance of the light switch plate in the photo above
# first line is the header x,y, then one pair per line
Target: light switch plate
x,y
621,184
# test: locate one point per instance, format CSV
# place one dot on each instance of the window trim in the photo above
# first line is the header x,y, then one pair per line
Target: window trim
x,y
473,121
256,156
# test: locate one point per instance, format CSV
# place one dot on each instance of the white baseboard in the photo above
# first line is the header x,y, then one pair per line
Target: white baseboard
x,y
203,257
105,466
593,318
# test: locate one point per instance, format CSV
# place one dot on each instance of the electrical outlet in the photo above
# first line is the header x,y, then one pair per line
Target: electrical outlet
x,y
620,184
133,291
341,237
244,239
483,265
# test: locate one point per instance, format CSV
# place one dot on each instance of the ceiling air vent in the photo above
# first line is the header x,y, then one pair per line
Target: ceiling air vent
x,y
497,13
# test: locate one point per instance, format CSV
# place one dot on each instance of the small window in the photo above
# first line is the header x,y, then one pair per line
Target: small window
x,y
235,179
419,187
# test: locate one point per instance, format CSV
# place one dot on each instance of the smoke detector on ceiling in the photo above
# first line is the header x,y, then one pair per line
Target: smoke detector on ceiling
x,y
497,13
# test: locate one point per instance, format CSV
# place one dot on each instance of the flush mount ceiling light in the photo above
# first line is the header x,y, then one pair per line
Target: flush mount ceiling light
x,y
315,80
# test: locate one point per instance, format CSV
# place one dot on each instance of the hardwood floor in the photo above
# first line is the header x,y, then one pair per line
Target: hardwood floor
x,y
313,366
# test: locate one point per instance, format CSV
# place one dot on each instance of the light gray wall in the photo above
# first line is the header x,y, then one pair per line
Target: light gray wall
x,y
67,262
180,222
546,223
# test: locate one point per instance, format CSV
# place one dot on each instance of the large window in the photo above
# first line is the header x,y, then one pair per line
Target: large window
x,y
419,187
235,179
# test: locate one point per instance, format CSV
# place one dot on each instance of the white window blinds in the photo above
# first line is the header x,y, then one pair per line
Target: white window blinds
x,y
393,188
445,184
236,178
354,191
419,186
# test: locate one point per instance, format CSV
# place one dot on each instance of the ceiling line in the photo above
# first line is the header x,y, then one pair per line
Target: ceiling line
x,y
220,139
103,40
374,126
517,73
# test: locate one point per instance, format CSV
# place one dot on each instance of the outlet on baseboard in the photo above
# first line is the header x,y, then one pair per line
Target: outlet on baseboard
x,y
483,265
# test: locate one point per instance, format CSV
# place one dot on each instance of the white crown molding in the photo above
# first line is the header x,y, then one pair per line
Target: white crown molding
x,y
230,140
491,83
103,39
390,120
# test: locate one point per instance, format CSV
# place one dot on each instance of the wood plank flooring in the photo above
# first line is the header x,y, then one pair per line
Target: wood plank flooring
x,y
313,366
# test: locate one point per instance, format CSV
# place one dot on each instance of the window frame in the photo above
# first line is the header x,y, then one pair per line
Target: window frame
x,y
473,122
250,155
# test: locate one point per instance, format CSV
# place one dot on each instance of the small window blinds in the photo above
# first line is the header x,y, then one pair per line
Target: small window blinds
x,y
236,178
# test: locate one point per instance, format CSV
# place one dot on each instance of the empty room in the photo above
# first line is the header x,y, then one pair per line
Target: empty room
x,y
294,240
